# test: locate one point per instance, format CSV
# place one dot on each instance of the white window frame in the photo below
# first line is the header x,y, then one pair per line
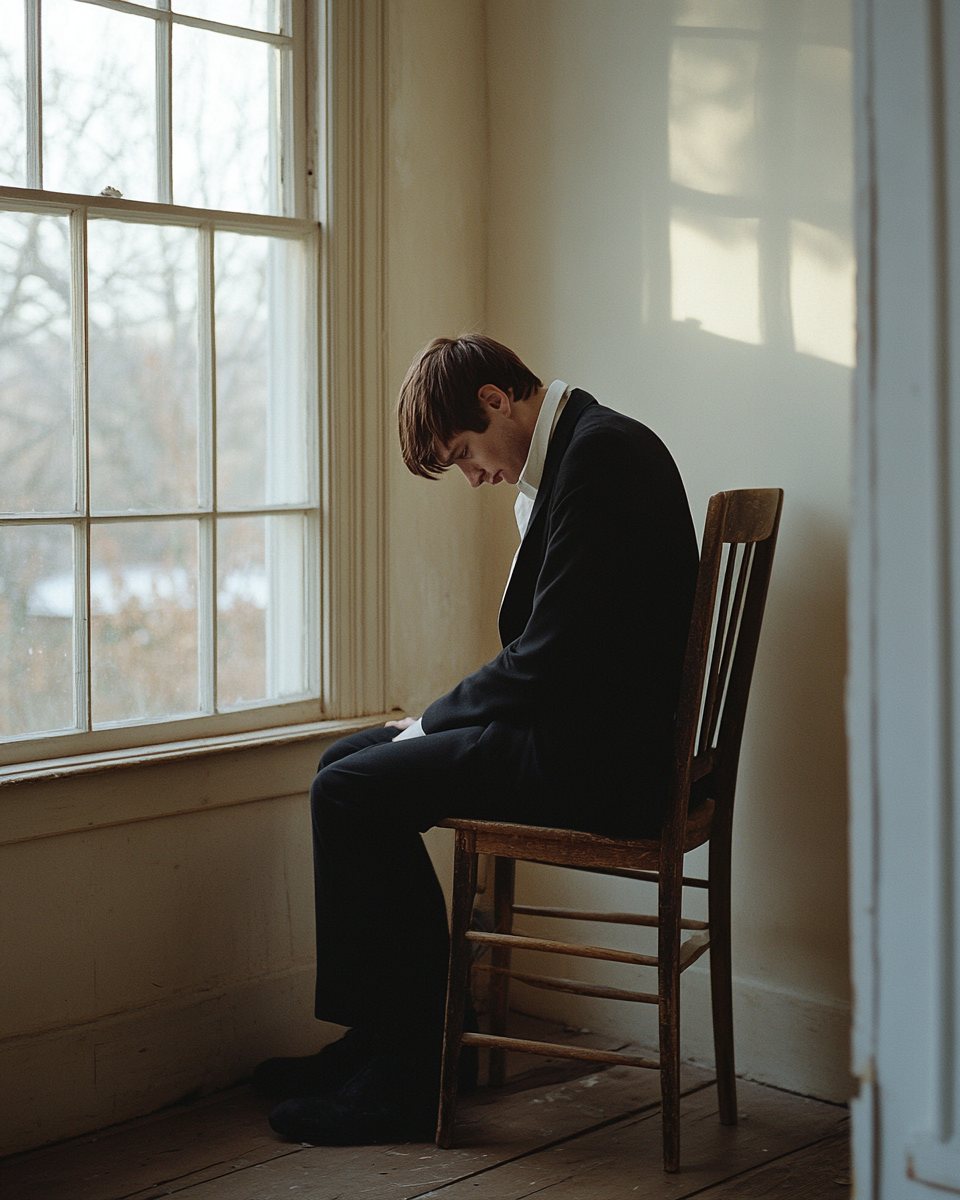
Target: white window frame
x,y
334,97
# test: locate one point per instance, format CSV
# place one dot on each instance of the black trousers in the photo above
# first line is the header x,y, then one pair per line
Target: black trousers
x,y
382,939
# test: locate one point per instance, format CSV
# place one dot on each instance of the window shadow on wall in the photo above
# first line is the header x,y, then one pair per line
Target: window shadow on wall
x,y
749,237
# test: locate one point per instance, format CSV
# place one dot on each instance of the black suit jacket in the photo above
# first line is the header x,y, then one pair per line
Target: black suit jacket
x,y
594,624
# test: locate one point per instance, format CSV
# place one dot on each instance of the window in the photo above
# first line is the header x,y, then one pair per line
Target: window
x,y
159,412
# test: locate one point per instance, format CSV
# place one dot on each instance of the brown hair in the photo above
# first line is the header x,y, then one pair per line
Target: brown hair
x,y
439,396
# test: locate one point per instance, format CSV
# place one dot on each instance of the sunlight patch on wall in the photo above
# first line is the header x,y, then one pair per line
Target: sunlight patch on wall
x,y
724,14
715,274
712,115
822,296
760,162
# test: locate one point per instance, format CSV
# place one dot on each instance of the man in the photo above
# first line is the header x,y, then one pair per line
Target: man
x,y
569,726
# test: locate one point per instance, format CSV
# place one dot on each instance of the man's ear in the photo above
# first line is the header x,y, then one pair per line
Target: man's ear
x,y
493,397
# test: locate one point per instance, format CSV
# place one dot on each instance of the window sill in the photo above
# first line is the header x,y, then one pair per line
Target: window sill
x,y
84,764
171,779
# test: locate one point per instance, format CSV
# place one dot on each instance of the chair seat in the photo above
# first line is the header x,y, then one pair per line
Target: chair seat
x,y
573,847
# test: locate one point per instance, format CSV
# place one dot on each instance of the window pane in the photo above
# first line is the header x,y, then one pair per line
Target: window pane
x,y
143,366
36,629
99,127
261,608
254,14
261,405
36,440
143,591
222,114
13,145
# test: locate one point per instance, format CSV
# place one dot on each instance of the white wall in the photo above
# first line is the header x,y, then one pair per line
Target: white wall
x,y
670,229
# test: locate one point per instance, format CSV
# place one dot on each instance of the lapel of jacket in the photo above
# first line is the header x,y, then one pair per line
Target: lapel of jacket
x,y
518,600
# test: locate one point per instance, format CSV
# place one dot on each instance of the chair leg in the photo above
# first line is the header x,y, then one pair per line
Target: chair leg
x,y
464,891
504,880
668,988
721,979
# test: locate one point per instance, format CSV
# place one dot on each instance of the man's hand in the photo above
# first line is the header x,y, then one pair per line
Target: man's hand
x,y
403,723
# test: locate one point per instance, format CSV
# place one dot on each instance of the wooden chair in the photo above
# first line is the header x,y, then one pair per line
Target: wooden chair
x,y
736,557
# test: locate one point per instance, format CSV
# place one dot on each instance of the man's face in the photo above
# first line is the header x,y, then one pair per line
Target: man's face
x,y
498,453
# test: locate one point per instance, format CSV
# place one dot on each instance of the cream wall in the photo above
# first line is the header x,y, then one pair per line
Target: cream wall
x,y
670,228
436,253
153,942
442,618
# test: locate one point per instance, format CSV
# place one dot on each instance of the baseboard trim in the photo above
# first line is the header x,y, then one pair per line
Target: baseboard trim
x,y
797,1042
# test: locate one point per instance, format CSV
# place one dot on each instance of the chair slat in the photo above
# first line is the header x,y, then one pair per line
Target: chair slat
x,y
573,986
615,918
556,1050
713,671
730,641
517,941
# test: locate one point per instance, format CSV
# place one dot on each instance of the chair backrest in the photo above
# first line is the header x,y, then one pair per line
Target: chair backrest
x,y
736,557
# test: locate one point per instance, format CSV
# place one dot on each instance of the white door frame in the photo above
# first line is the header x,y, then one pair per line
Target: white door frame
x,y
905,601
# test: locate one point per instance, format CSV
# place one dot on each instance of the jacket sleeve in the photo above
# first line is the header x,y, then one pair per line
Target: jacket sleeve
x,y
589,600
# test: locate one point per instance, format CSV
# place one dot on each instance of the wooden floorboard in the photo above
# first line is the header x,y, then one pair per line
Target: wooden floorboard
x,y
488,1135
558,1128
167,1152
820,1172
624,1159
228,1151
230,1128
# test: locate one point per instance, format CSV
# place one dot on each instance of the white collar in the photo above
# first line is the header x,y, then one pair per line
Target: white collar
x,y
550,410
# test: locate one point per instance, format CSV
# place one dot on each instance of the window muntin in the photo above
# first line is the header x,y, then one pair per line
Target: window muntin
x,y
159,517
255,14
